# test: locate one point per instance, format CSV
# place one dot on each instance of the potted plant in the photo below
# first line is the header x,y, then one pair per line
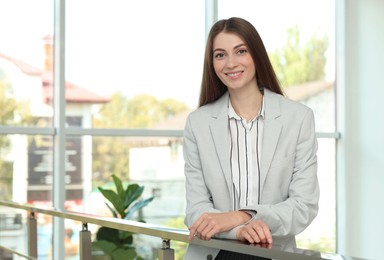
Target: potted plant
x,y
118,244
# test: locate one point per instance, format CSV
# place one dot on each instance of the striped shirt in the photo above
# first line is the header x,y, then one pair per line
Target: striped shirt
x,y
245,146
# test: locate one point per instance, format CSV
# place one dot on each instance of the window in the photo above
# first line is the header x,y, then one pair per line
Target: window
x,y
147,62
132,75
301,46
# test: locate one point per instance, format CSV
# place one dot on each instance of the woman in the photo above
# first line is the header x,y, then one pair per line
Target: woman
x,y
250,153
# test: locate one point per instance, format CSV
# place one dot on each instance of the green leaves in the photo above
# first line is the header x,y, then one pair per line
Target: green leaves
x,y
114,236
119,185
116,252
123,198
132,193
104,245
300,61
116,200
118,243
138,205
108,234
124,254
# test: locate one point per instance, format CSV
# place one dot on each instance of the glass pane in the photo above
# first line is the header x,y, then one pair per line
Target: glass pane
x,y
13,186
153,163
26,28
132,65
40,169
321,234
13,232
94,161
44,236
301,45
26,169
72,239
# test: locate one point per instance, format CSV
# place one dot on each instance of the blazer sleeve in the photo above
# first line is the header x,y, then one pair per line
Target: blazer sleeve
x,y
293,215
198,197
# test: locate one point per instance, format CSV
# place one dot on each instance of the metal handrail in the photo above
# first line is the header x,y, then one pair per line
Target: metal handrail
x,y
165,233
113,132
122,224
17,253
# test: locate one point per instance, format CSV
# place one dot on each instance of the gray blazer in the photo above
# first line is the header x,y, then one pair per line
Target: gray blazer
x,y
288,168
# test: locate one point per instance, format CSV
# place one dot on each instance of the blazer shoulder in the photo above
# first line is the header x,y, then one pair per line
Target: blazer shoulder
x,y
294,105
294,111
215,109
277,105
203,111
289,105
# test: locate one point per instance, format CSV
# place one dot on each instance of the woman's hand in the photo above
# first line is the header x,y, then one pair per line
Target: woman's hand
x,y
255,232
209,224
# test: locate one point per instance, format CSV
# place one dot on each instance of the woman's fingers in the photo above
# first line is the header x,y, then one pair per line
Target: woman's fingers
x,y
255,232
201,228
196,229
262,231
208,225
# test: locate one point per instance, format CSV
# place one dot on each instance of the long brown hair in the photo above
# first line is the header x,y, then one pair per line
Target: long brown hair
x,y
211,86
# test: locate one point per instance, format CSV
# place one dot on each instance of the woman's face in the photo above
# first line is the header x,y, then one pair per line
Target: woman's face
x,y
233,62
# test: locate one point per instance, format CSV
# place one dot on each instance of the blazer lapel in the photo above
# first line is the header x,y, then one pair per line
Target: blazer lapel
x,y
271,133
219,132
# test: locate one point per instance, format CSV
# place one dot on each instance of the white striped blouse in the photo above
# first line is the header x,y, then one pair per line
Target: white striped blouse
x,y
244,138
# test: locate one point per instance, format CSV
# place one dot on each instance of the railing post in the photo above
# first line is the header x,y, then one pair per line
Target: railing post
x,y
166,252
85,243
32,235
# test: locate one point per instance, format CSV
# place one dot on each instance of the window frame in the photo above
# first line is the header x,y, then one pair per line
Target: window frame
x,y
59,131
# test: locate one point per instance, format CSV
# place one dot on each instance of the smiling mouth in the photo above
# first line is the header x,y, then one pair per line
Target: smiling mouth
x,y
233,74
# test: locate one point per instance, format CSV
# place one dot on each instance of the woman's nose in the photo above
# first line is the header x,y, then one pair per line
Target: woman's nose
x,y
231,61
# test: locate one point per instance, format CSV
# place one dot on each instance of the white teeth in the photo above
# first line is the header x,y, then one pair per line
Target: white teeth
x,y
233,74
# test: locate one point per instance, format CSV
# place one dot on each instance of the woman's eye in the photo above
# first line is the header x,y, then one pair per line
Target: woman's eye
x,y
219,55
242,51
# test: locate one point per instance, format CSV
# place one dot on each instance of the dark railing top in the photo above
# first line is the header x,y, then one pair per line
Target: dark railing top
x,y
277,251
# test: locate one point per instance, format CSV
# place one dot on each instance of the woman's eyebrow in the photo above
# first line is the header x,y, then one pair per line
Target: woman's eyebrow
x,y
239,45
236,47
218,49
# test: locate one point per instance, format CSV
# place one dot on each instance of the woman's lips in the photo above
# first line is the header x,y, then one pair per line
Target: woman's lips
x,y
234,75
